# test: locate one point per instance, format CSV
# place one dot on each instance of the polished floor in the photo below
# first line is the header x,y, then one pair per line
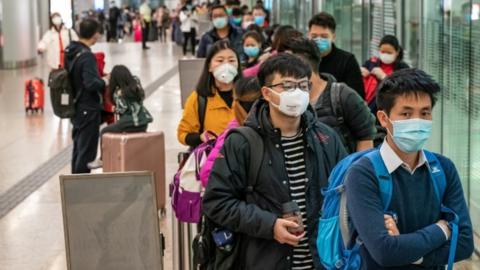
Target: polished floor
x,y
31,235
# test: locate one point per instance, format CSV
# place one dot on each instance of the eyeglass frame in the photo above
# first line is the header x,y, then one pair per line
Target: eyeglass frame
x,y
295,85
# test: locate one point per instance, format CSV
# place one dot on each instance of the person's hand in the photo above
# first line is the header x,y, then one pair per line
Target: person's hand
x,y
364,71
378,72
206,136
264,57
391,225
444,225
282,235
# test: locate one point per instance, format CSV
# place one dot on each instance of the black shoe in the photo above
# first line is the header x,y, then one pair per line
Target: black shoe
x,y
145,48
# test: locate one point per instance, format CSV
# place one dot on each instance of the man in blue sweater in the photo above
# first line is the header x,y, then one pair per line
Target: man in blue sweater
x,y
419,238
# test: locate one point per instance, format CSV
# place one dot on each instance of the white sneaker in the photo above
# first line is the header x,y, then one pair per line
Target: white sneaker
x,y
98,163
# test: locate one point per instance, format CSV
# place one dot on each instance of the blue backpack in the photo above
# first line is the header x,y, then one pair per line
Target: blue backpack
x,y
336,245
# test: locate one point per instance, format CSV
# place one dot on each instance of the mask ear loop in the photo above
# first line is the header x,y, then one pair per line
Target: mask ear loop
x,y
388,118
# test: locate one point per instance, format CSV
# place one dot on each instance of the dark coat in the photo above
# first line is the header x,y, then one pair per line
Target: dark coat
x,y
84,76
224,201
234,36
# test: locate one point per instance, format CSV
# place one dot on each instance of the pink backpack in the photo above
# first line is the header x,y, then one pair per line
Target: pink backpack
x,y
186,189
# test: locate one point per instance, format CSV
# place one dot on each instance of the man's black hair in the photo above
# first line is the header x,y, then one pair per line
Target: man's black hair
x,y
218,7
285,65
307,50
88,28
237,12
405,82
323,19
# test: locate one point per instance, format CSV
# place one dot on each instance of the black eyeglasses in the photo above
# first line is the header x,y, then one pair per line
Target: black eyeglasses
x,y
291,85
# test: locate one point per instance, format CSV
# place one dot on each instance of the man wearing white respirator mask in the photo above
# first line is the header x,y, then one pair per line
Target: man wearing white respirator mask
x,y
299,154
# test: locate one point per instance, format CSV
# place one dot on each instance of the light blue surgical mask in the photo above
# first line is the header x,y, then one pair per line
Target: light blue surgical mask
x,y
251,51
237,21
323,44
412,134
259,20
220,23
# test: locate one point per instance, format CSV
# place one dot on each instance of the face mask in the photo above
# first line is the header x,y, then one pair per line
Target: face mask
x,y
251,51
292,103
229,11
220,23
412,134
225,73
57,21
259,20
387,58
323,44
237,21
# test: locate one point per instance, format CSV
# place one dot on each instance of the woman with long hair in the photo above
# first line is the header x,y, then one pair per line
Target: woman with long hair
x,y
214,89
128,96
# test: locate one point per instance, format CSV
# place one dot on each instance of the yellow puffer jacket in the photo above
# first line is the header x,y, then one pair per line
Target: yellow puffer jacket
x,y
217,116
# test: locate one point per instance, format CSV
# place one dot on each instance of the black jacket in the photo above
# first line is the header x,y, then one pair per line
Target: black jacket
x,y
209,38
358,122
344,67
224,201
86,81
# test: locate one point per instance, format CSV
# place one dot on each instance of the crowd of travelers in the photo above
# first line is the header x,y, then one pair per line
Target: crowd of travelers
x,y
331,136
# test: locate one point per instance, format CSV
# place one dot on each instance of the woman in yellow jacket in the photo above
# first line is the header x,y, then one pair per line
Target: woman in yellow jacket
x,y
221,71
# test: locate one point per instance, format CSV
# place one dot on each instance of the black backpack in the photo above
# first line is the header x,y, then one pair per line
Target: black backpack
x,y
62,94
206,256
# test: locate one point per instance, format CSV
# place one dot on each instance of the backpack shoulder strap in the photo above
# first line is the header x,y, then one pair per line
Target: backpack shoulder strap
x,y
335,94
202,109
383,177
75,59
437,174
70,35
255,143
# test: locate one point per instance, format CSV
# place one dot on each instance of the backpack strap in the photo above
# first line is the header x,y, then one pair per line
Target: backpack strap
x,y
256,154
439,181
437,174
70,35
383,177
202,109
337,103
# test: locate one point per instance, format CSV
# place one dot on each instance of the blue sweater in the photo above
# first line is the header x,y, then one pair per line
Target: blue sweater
x,y
418,209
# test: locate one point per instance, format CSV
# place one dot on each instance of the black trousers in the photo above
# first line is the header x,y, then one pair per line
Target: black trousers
x,y
189,36
85,134
145,31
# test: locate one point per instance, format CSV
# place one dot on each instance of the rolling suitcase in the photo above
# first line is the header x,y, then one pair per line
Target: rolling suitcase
x,y
143,151
34,97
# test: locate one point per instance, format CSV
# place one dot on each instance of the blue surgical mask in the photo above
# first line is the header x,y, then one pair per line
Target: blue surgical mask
x,y
229,11
220,23
237,21
259,20
323,44
411,135
251,51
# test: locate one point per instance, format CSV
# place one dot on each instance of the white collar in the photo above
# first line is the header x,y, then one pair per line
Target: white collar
x,y
393,161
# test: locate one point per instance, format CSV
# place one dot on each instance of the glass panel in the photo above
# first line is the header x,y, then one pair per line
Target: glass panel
x,y
456,55
357,35
475,120
431,61
287,12
411,31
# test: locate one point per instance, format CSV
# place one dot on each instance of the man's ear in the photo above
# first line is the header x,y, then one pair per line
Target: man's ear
x,y
334,37
382,118
266,93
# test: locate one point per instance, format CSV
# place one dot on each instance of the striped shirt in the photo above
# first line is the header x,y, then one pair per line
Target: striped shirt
x,y
294,152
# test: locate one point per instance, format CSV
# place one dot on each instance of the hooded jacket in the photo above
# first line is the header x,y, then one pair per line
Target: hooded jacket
x,y
224,199
85,78
209,38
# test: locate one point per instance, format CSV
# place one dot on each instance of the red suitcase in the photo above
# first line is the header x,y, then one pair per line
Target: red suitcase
x,y
34,98
137,152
